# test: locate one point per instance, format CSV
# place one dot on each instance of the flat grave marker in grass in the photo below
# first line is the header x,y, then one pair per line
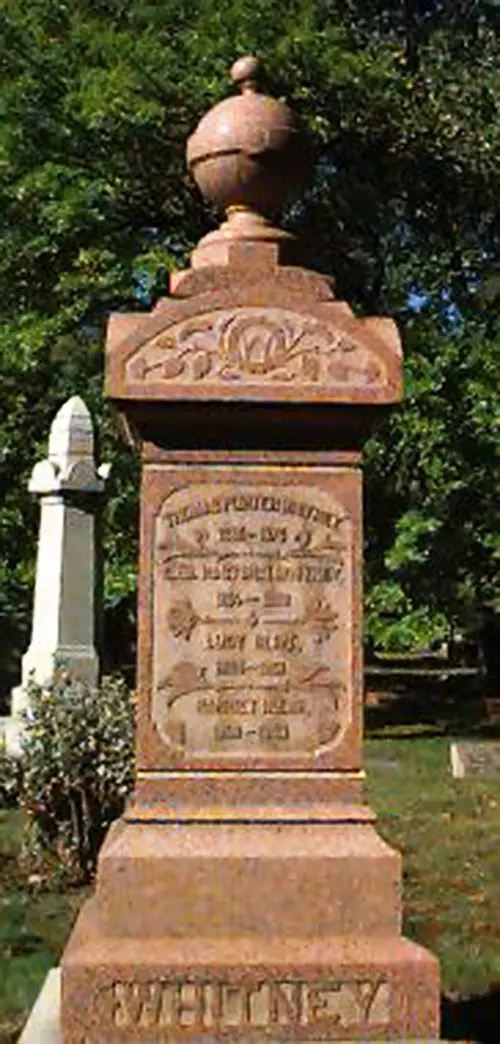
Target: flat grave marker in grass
x,y
475,759
382,764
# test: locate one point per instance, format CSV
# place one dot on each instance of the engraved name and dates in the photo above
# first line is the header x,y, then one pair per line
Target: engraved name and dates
x,y
327,1008
252,619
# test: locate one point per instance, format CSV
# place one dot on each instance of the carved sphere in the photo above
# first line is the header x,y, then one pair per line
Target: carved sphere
x,y
245,70
249,150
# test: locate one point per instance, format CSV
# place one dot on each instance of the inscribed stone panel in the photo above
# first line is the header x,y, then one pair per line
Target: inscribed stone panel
x,y
253,610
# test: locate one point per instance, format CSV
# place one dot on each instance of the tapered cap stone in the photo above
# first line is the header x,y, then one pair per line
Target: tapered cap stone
x,y
71,433
249,150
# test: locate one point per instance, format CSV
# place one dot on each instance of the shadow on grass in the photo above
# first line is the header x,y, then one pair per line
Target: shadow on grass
x,y
11,1036
452,707
475,1019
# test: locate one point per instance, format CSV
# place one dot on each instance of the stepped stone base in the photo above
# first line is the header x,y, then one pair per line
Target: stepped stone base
x,y
236,932
119,990
43,1026
257,879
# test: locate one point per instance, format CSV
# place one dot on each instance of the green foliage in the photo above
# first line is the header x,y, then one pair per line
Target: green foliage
x,y
77,771
10,778
443,828
393,624
435,521
96,207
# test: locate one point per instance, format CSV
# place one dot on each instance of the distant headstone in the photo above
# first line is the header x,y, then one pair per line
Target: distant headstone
x,y
63,625
475,759
379,764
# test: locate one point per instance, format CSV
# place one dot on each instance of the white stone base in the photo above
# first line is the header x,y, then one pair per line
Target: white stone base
x,y
42,1026
10,734
457,765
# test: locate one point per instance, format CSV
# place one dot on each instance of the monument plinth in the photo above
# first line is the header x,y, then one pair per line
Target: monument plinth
x,y
245,893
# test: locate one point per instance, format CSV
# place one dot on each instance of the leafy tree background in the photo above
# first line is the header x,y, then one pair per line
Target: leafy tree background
x,y
403,102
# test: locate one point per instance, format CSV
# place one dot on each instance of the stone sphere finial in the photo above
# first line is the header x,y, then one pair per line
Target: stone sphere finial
x,y
244,72
249,150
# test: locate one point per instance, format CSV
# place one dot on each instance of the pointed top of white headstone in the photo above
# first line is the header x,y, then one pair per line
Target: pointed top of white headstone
x,y
71,434
70,466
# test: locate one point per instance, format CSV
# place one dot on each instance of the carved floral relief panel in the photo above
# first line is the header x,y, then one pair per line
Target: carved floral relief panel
x,y
257,345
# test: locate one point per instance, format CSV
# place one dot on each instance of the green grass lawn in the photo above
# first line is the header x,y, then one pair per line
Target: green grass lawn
x,y
448,833
446,829
33,931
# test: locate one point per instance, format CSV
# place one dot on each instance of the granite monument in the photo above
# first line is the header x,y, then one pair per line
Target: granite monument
x,y
245,894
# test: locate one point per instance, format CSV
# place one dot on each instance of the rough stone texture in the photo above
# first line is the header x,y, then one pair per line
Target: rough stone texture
x,y
245,893
248,151
63,625
341,870
199,988
43,1026
253,343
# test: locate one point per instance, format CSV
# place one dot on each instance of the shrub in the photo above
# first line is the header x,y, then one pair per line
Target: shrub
x,y
77,772
10,778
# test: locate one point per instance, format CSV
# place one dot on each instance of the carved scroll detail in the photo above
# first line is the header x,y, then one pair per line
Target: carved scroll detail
x,y
256,345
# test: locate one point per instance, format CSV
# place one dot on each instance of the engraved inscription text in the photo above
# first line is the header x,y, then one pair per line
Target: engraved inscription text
x,y
332,1006
253,619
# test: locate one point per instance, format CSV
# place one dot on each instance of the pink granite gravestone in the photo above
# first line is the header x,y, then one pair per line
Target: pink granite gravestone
x,y
245,894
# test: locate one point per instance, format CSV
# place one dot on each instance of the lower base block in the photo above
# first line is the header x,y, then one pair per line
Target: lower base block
x,y
119,990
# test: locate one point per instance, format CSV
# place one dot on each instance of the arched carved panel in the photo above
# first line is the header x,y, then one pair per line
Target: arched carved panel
x,y
257,346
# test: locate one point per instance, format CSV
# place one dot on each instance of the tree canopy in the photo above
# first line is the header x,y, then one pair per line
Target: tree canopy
x,y
403,103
